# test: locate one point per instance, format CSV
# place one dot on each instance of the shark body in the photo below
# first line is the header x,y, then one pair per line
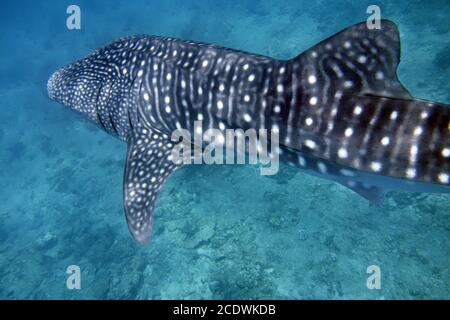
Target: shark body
x,y
339,109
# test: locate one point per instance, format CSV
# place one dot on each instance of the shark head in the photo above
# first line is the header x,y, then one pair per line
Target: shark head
x,y
77,86
86,87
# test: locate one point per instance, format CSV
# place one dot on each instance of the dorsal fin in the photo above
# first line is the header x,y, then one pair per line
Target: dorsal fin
x,y
359,59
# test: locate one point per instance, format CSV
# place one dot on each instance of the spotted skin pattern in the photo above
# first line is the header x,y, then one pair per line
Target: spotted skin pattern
x,y
339,109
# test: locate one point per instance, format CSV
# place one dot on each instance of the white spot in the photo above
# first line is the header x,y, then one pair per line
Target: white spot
x,y
205,63
322,167
314,54
348,84
280,88
379,75
200,116
418,131
247,117
376,166
423,115
301,161
410,173
446,152
310,144
333,112
312,79
443,177
221,87
385,141
347,173
124,71
246,98
140,73
348,132
313,101
362,59
309,121
282,70
146,96
413,153
245,67
357,110
174,53
198,130
169,76
183,84
167,99
221,126
251,77
394,115
277,109
168,109
351,183
219,104
347,44
342,153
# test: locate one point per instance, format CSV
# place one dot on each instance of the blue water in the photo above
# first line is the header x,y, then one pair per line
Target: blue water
x,y
219,231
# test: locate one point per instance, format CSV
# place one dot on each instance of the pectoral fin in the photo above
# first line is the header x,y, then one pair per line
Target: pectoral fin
x,y
373,194
148,166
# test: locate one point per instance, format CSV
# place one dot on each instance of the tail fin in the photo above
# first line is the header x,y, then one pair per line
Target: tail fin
x,y
354,111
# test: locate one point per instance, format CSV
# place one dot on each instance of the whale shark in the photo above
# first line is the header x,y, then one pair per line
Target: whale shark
x,y
338,108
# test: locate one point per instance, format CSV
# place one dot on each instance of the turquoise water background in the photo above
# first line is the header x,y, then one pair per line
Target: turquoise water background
x,y
222,232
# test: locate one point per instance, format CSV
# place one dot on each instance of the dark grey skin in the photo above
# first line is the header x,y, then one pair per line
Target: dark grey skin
x,y
340,111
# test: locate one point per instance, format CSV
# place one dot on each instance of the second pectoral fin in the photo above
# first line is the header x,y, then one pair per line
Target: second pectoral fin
x,y
373,194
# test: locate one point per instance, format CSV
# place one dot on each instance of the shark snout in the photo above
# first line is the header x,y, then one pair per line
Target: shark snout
x,y
53,84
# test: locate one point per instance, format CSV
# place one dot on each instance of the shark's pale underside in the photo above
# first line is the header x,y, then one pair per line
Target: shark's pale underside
x,y
339,109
